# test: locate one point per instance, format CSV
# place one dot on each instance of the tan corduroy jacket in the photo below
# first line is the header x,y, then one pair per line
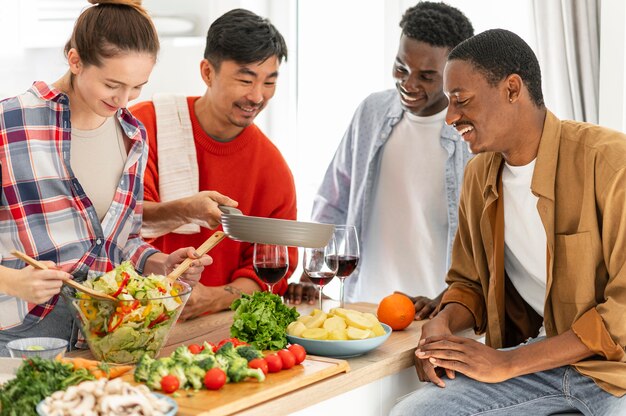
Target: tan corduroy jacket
x,y
580,180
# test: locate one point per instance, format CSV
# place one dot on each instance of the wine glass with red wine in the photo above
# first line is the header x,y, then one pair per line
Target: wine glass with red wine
x,y
270,263
320,265
347,254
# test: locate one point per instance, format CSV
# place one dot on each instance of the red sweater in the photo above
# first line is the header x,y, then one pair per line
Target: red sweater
x,y
249,169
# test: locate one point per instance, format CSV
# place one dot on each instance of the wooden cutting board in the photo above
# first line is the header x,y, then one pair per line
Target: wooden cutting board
x,y
234,397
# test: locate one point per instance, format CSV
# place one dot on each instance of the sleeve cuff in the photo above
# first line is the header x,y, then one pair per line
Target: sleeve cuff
x,y
457,293
140,256
592,332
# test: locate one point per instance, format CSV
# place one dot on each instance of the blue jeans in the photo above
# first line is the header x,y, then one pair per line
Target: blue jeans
x,y
549,392
58,324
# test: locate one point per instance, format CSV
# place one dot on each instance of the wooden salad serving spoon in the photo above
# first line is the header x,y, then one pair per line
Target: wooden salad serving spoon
x,y
203,249
39,265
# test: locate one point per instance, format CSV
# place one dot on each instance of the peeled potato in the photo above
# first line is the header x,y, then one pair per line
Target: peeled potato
x,y
315,333
356,319
317,320
296,328
335,322
378,330
370,317
338,335
339,312
357,333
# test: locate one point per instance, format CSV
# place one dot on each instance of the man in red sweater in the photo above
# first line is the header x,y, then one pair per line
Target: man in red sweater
x,y
210,145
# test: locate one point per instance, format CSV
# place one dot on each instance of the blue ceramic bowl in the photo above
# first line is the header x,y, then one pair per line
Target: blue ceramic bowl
x,y
341,349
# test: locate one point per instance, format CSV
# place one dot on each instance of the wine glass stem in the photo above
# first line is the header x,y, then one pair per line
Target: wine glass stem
x,y
320,296
270,288
341,300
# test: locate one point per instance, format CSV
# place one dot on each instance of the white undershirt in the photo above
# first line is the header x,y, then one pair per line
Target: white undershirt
x,y
524,236
408,234
97,158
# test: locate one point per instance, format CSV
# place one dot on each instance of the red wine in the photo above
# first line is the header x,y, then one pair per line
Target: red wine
x,y
321,278
270,273
347,264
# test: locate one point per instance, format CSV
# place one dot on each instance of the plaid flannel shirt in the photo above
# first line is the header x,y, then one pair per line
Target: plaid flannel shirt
x,y
44,211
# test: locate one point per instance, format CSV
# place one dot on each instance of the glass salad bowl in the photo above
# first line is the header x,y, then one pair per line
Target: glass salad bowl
x,y
138,322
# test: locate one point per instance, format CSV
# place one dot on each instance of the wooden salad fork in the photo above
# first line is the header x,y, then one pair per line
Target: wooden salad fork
x,y
39,265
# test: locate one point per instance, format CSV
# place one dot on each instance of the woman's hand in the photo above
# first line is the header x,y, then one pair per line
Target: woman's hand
x,y
194,272
34,285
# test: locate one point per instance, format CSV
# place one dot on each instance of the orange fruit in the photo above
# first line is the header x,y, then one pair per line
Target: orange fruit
x,y
396,310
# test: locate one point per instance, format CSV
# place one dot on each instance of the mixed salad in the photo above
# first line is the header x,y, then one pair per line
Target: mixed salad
x,y
121,332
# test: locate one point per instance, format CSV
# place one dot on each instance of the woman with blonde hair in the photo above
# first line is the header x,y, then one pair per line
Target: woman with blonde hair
x,y
72,160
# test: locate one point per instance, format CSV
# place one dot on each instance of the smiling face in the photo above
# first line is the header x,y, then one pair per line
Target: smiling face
x,y
99,91
418,72
237,93
479,111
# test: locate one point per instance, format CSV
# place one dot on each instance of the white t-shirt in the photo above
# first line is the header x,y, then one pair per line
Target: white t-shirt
x,y
524,236
407,242
97,158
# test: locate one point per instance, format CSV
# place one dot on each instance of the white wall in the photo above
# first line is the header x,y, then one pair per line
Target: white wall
x,y
340,51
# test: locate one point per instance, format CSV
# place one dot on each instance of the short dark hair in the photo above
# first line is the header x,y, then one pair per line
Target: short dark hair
x,y
243,37
437,24
498,53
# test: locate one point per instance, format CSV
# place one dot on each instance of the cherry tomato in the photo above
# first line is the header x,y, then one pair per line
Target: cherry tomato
x,y
298,351
274,363
214,379
236,342
259,363
195,348
288,359
169,384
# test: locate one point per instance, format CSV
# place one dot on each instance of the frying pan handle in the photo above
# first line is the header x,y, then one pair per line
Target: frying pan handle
x,y
229,210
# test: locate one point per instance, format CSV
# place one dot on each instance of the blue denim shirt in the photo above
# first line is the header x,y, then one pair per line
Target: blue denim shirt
x,y
345,194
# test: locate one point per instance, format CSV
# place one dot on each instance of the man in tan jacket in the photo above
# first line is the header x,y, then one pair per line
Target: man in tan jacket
x,y
539,260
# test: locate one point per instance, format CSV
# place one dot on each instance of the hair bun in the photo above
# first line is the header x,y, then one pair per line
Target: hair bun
x,y
126,2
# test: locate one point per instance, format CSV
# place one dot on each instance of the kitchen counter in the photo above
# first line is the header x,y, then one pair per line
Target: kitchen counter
x,y
394,356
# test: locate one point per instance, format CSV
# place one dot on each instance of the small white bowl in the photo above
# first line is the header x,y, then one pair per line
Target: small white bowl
x,y
43,347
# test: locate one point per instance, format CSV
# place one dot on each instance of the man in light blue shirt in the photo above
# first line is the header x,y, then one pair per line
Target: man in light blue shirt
x,y
397,173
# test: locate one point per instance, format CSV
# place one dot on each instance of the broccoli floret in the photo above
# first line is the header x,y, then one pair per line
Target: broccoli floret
x,y
237,368
183,355
195,376
142,370
178,371
223,363
207,363
158,369
248,352
226,349
207,352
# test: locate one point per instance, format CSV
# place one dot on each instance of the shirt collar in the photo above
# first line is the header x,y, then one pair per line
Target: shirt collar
x,y
547,158
130,125
545,165
46,92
